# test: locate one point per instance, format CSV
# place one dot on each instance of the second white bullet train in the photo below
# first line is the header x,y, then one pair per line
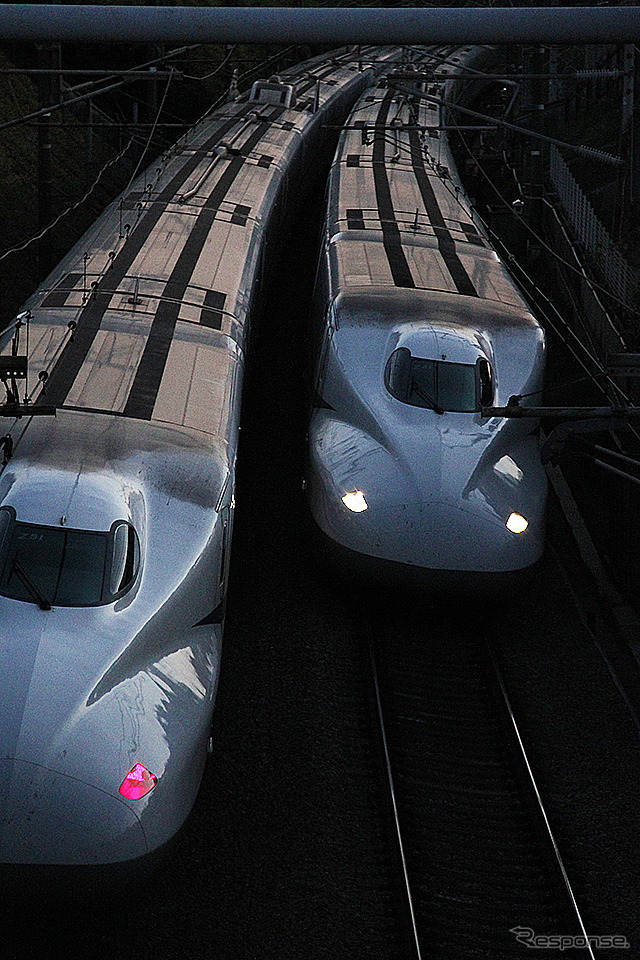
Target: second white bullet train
x,y
418,327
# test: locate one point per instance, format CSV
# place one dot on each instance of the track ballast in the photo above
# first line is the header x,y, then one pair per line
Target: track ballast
x,y
480,863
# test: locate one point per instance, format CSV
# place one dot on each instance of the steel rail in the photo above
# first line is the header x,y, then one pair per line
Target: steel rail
x,y
556,850
391,788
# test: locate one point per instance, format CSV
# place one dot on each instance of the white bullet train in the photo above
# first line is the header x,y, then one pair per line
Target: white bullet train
x,y
417,326
116,512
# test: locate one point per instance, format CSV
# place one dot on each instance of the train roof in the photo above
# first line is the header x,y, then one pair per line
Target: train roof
x,y
386,306
158,289
398,215
145,318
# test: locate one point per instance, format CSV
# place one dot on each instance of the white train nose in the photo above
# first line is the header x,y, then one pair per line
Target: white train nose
x,y
49,818
478,539
439,534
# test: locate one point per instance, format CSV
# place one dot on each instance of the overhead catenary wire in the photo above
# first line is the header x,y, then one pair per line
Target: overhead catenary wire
x,y
151,133
400,148
70,209
120,78
25,244
215,72
87,194
535,290
513,262
255,67
590,152
52,108
259,66
597,286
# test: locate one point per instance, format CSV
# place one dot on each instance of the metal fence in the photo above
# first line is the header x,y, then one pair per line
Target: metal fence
x,y
619,276
588,315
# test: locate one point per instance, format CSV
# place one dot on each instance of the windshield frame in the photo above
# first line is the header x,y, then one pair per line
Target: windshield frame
x,y
400,381
9,559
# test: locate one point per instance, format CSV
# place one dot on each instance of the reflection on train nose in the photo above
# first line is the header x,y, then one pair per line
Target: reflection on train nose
x,y
49,818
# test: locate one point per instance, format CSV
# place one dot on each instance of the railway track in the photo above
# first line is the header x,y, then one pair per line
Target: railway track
x,y
481,870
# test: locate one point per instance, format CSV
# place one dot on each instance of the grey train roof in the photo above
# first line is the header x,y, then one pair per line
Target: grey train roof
x,y
411,224
158,290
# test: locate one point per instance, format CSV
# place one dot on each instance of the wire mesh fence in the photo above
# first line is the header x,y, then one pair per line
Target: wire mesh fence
x,y
620,276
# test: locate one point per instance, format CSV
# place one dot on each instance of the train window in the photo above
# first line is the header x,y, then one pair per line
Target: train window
x,y
486,382
398,374
436,384
64,567
81,570
456,386
125,556
6,517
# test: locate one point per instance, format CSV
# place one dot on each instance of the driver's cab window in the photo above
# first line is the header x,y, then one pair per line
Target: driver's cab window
x,y
440,385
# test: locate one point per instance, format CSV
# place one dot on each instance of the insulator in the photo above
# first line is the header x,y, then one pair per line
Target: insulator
x,y
595,74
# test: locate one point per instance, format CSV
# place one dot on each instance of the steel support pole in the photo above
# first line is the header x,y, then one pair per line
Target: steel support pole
x,y
47,58
381,25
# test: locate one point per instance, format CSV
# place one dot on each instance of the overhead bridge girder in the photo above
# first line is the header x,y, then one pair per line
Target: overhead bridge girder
x,y
177,25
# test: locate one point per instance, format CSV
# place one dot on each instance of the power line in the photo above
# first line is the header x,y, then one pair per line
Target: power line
x,y
125,76
50,226
586,151
513,262
151,132
215,72
114,160
46,111
597,286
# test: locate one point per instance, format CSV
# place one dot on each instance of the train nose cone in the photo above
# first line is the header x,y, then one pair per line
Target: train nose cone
x,y
49,818
476,539
446,534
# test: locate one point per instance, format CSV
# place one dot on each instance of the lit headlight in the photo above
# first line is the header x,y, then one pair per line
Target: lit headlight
x,y
355,501
516,523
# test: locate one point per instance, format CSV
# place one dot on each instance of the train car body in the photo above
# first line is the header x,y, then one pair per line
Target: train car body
x,y
116,513
417,326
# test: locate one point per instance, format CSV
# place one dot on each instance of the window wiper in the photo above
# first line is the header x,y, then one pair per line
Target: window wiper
x,y
40,599
425,396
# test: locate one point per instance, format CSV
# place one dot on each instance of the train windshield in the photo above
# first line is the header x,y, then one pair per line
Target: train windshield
x,y
436,384
63,567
